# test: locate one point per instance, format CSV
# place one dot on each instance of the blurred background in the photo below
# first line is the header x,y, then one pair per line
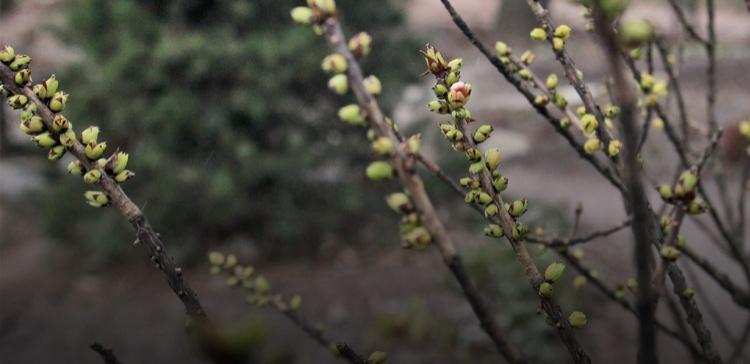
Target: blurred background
x,y
236,146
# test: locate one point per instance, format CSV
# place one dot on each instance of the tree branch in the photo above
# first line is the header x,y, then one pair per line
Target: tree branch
x,y
107,355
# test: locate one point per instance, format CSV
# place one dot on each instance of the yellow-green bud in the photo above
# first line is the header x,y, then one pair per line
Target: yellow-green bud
x,y
697,206
7,54
614,147
670,253
96,198
518,207
92,177
484,198
334,64
440,90
399,202
17,101
60,123
520,230
589,123
581,111
21,61
117,162
456,64
490,210
323,8
295,303
541,100
50,87
500,183
565,122
261,284
216,258
413,144
360,44
383,146
538,34
579,282
546,290
378,357
688,293
95,150
525,74
56,152
562,31
502,49
635,54
558,44
339,84
417,238
636,32
554,271
379,171
58,102
665,191
647,82
657,123
592,145
22,77
493,231
552,81
373,85
303,15
688,180
473,155
124,176
476,167
612,111
528,57
492,158
352,114
32,125
90,135
45,140
75,168
744,128
632,284
577,320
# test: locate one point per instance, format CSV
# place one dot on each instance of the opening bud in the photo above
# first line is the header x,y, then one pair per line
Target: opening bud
x,y
92,177
520,230
562,31
554,271
518,207
124,176
614,148
334,64
21,61
373,85
17,101
32,126
592,145
493,231
56,152
360,44
58,102
45,140
95,150
7,54
96,198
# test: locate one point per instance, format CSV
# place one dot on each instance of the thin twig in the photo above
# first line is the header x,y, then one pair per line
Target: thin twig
x,y
107,355
739,296
559,243
675,83
689,29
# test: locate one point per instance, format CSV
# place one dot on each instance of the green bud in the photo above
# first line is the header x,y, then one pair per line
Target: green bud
x,y
303,15
216,258
33,125
493,230
58,102
558,44
632,284
614,148
518,207
75,168
360,44
670,253
688,293
373,85
636,32
697,206
665,191
688,180
538,34
485,129
592,145
413,144
579,282
379,171
492,158
541,100
383,146
490,210
440,90
528,57
295,303
417,238
23,77
553,272
577,320
7,54
92,177
681,241
261,284
565,122
17,101
561,102
436,106
45,140
552,81
117,162
124,176
589,123
40,91
378,357
613,111
95,150
399,202
476,167
334,64
500,183
562,32
60,123
352,114
520,230
484,198
647,82
56,152
619,295
50,87
96,198
502,49
473,155
525,74
90,135
635,54
471,196
546,290
21,61
339,84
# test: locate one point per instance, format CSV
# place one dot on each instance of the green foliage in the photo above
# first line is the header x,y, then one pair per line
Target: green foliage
x,y
226,115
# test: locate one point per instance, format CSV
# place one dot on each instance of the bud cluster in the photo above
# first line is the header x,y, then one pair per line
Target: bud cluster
x,y
243,276
58,136
684,193
413,234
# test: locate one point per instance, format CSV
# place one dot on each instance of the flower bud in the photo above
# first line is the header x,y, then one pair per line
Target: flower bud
x,y
95,150
589,123
485,129
538,34
322,8
552,81
96,198
90,135
484,198
452,78
50,86
261,284
541,100
303,15
339,84
493,231
688,293
383,146
636,32
665,191
558,44
500,183
60,123
39,91
295,303
518,207
657,123
520,230
352,114
124,176
379,171
577,320
697,206
745,128
56,152
7,54
216,258
592,145
612,111
117,162
554,271
417,238
528,57
378,357
360,44
92,177
23,77
32,126
525,74
670,253
28,111
334,64
21,61
614,147
435,61
635,54
647,82
502,49
492,158
17,101
688,180
456,64
476,167
471,196
562,32
45,140
546,290
373,85
440,90
75,168
565,122
490,210
399,202
58,102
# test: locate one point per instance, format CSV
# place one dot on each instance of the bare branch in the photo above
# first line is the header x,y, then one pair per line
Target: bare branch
x,y
107,355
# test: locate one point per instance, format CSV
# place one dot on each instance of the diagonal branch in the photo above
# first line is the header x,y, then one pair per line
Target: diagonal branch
x,y
107,355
